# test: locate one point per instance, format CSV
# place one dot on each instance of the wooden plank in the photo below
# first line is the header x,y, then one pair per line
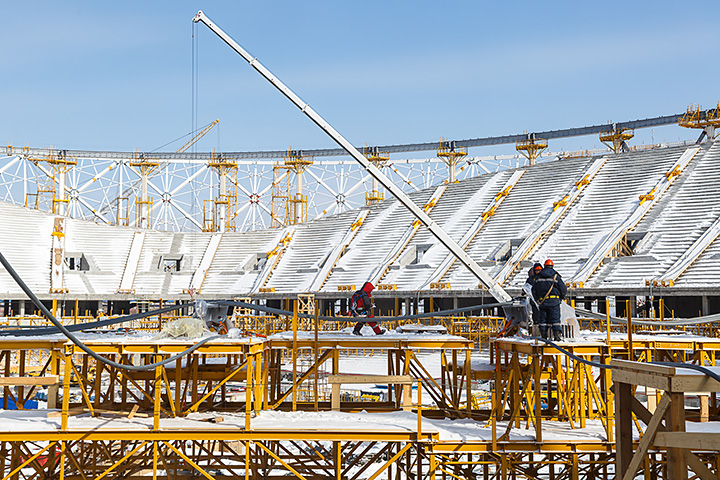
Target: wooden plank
x,y
641,367
380,379
335,397
639,378
642,413
699,467
694,383
133,412
647,438
704,408
407,398
623,426
23,381
689,440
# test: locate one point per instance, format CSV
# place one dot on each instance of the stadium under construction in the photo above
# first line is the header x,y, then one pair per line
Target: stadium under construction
x,y
109,369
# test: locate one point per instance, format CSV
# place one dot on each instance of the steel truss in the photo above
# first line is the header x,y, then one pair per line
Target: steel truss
x,y
106,189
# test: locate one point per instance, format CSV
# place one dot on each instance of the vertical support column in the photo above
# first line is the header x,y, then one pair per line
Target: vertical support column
x,y
294,354
623,427
66,386
258,390
609,405
156,397
337,454
468,378
538,393
249,368
631,354
155,459
58,256
497,400
267,358
676,457
178,381
316,327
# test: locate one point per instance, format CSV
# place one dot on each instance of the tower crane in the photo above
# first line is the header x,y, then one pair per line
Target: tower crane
x,y
493,287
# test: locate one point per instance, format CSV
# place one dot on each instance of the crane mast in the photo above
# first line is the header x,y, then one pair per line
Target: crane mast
x,y
494,288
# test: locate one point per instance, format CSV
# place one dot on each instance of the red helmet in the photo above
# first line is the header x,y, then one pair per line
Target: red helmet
x,y
548,263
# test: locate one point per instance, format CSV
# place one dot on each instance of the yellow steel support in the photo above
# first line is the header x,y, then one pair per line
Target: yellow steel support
x,y
452,155
696,117
297,204
379,159
531,148
616,139
189,460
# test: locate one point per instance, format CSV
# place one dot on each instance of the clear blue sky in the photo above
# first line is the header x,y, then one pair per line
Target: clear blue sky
x,y
117,75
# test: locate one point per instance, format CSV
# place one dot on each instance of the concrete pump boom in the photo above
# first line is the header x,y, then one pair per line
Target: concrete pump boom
x,y
495,289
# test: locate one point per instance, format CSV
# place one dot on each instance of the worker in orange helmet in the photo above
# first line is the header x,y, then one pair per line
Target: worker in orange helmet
x,y
549,290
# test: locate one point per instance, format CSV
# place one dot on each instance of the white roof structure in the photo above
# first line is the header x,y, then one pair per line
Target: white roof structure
x,y
664,211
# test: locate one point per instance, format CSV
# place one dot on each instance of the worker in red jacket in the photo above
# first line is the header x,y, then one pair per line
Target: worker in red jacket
x,y
360,305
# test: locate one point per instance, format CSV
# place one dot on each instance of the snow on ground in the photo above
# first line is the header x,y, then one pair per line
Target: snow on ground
x,y
463,430
369,336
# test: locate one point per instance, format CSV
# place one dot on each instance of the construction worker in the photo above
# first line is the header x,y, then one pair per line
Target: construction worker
x,y
527,289
549,290
360,305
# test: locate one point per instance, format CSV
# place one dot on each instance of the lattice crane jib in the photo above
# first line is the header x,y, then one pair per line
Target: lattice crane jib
x,y
197,137
451,155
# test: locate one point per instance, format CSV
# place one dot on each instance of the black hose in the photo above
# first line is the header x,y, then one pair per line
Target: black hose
x,y
35,331
79,343
570,354
668,323
277,311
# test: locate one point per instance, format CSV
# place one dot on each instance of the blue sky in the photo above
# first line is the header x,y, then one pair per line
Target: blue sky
x,y
117,75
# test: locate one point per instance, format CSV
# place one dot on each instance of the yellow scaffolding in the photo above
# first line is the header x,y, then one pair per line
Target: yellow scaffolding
x,y
222,216
531,148
616,139
378,159
451,155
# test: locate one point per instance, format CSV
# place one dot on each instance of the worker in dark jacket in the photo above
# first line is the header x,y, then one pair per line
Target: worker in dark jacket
x,y
549,290
527,288
360,306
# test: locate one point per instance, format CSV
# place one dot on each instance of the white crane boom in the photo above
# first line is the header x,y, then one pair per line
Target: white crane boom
x,y
495,289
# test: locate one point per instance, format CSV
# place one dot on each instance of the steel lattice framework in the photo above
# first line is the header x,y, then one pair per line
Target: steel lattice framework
x,y
105,188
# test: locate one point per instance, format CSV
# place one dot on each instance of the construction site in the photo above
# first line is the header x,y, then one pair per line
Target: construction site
x,y
178,315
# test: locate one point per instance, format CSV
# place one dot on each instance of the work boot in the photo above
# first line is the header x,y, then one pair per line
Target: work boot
x,y
557,336
356,331
543,333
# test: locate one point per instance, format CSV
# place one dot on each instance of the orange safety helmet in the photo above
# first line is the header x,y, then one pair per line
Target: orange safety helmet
x,y
549,263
